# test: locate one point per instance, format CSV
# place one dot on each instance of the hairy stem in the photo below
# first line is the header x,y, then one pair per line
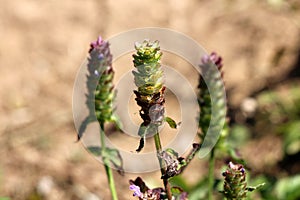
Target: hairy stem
x,y
162,169
211,174
108,170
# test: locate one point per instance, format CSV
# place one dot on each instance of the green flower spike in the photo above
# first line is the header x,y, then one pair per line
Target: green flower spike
x,y
211,89
214,81
148,77
99,101
235,184
100,66
100,86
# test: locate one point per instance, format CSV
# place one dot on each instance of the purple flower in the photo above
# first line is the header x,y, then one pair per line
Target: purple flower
x,y
236,167
205,59
100,56
136,190
242,170
212,58
96,44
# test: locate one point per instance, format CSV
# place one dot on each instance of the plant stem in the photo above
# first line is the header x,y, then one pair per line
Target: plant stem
x,y
211,174
108,170
111,182
162,169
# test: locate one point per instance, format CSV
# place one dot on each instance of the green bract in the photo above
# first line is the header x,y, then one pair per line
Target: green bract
x,y
149,75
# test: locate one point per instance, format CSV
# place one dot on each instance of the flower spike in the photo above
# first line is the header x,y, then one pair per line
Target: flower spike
x,y
235,185
100,86
148,78
214,81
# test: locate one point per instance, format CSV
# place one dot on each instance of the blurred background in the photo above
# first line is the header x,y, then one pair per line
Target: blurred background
x,y
44,43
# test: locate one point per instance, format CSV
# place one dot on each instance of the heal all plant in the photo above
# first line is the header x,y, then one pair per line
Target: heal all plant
x,y
148,77
99,101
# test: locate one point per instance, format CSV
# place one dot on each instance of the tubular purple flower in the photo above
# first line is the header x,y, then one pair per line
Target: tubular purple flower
x,y
212,58
136,190
96,43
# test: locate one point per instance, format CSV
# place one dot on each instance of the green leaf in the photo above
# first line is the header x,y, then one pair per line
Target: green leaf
x,y
171,122
176,191
83,126
180,182
150,129
292,138
115,158
117,121
172,153
109,156
252,188
141,145
94,150
142,130
288,188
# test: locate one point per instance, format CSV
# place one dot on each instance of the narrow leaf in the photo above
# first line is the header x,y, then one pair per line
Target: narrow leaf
x,y
252,188
117,122
142,130
95,150
171,122
115,158
109,156
141,145
83,126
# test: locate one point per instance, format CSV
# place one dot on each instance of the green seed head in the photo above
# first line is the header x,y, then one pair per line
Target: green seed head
x,y
148,78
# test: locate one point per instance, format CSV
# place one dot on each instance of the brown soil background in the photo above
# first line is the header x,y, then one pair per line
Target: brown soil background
x,y
43,44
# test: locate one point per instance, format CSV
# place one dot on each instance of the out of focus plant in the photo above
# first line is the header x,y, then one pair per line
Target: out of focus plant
x,y
280,110
279,113
214,81
288,188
